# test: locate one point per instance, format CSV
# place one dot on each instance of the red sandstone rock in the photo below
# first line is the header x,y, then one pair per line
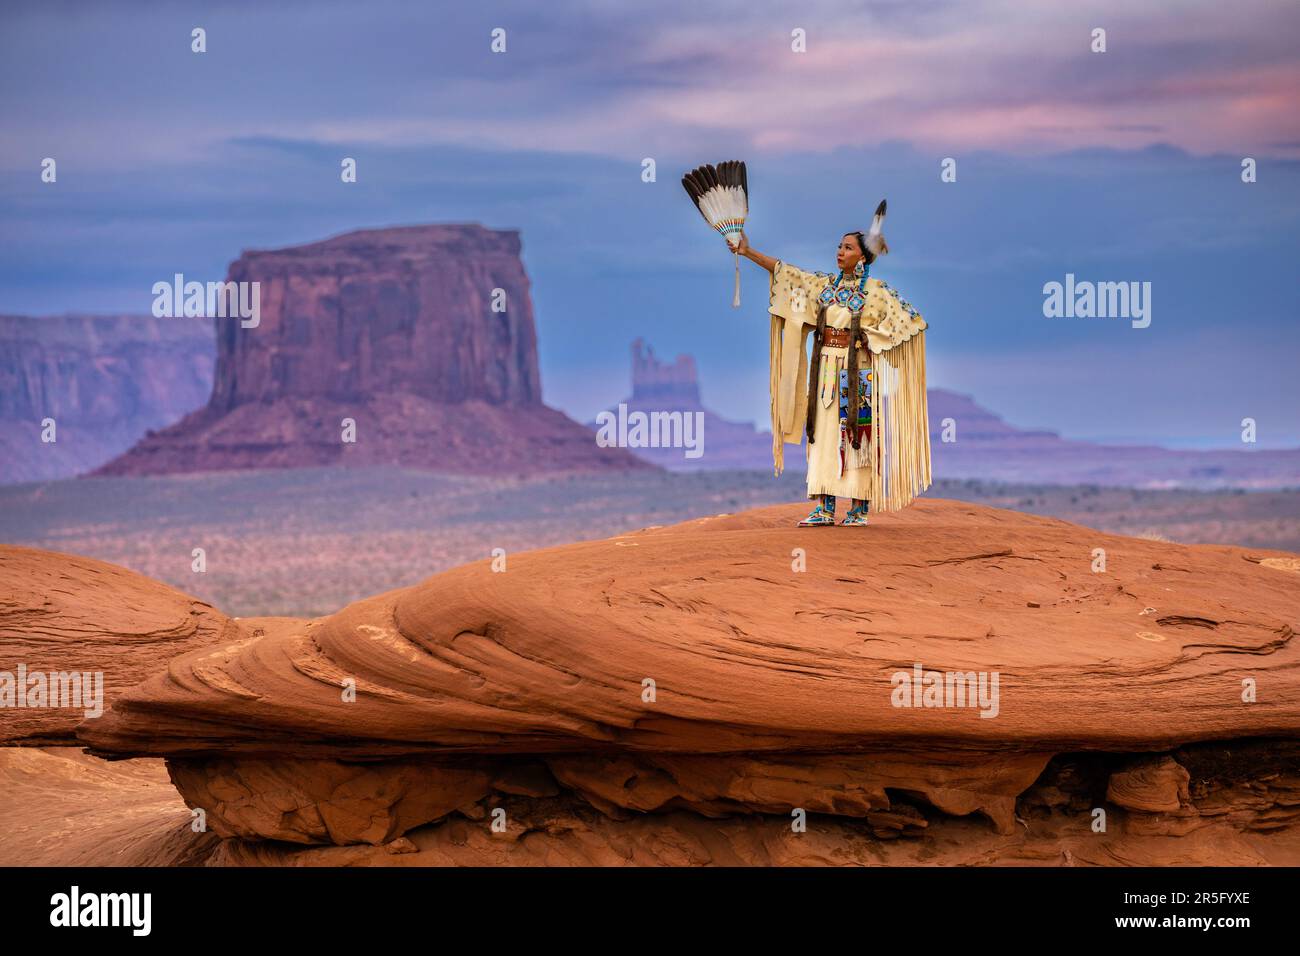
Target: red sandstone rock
x,y
853,785
773,688
324,801
72,615
394,329
62,807
749,655
505,718
1152,785
381,310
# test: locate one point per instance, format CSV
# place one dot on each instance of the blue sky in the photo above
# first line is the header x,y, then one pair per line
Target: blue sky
x,y
1119,166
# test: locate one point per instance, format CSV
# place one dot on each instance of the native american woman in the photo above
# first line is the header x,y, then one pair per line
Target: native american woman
x,y
870,443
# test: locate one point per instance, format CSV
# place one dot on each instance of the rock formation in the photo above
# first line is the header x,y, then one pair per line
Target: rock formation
x,y
394,330
674,389
687,689
67,615
127,813
659,383
104,379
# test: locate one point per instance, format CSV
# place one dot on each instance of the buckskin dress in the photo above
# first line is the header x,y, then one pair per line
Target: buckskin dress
x,y
892,464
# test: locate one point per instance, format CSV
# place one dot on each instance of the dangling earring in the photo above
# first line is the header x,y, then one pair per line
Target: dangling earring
x,y
859,268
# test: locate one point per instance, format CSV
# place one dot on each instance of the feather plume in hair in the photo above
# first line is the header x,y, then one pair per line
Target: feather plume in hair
x,y
876,244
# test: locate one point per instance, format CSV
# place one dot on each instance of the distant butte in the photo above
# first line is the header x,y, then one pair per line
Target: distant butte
x,y
394,330
659,387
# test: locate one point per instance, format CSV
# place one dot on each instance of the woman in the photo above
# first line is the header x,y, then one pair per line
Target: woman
x,y
869,443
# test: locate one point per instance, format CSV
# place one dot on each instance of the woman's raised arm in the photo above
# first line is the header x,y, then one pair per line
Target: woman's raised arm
x,y
753,255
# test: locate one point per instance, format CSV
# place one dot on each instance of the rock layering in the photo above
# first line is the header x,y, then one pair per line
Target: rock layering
x,y
77,616
394,329
736,665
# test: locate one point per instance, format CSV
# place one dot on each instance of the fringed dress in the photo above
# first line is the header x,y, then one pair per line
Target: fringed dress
x,y
892,463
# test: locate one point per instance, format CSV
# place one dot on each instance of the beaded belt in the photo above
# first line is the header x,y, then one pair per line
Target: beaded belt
x,y
836,338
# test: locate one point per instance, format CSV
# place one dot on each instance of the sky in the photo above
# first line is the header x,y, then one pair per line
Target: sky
x,y
1115,166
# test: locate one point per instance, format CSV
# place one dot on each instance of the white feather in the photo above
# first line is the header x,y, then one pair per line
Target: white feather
x,y
724,205
876,244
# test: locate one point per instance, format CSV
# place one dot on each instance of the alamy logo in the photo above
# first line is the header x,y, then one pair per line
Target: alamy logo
x,y
1100,300
103,909
652,430
78,689
922,688
213,300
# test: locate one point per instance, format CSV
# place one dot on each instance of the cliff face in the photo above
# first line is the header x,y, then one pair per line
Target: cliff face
x,y
390,310
105,380
392,330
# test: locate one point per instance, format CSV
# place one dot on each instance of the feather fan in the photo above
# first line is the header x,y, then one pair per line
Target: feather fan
x,y
721,194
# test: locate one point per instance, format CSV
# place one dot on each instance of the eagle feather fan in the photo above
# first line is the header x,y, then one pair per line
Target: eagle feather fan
x,y
721,194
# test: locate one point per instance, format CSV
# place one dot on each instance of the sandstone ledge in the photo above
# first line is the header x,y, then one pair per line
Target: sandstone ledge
x,y
771,686
746,654
68,614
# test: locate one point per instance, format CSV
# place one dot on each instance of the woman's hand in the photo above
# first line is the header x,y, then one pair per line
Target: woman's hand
x,y
742,246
